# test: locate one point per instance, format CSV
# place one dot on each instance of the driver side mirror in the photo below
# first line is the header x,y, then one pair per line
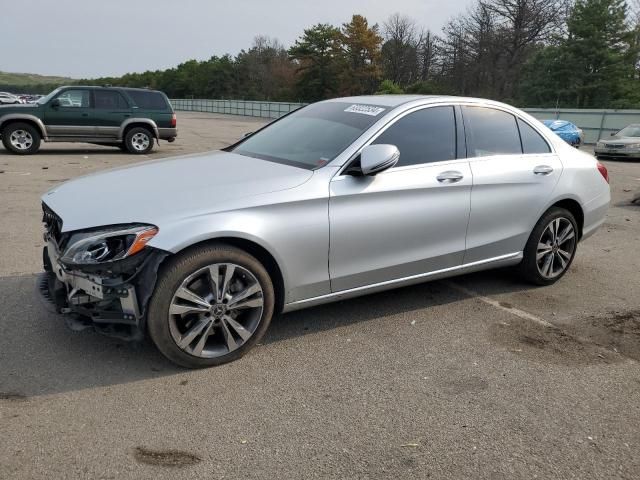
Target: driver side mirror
x,y
55,103
378,158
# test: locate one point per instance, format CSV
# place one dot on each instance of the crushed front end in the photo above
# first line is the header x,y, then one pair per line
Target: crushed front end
x,y
102,277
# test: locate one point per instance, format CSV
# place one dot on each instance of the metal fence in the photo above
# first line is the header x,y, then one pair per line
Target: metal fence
x,y
236,107
595,123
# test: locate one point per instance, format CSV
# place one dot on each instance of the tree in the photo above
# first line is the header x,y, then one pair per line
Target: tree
x,y
595,66
400,50
319,59
361,49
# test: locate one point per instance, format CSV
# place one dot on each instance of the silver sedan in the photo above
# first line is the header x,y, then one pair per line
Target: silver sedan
x,y
623,144
341,198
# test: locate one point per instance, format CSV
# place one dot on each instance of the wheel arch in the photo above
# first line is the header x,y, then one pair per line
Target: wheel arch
x,y
138,122
260,252
21,118
576,210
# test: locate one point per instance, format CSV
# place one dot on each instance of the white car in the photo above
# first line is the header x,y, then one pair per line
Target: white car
x,y
8,99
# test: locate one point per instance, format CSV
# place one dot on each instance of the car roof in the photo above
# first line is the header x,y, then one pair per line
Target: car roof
x,y
115,87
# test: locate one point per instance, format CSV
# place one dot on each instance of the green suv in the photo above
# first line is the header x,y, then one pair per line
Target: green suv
x,y
128,118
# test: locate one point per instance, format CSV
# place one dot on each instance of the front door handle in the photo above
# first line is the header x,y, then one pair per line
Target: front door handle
x,y
543,170
85,114
451,176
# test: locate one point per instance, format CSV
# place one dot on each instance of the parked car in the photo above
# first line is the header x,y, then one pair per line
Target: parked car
x,y
128,118
622,144
8,99
567,131
340,198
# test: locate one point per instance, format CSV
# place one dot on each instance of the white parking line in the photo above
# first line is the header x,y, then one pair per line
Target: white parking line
x,y
494,303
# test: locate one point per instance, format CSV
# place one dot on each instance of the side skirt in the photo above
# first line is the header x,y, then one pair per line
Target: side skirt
x,y
496,262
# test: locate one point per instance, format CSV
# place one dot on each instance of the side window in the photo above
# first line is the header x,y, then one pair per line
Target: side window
x,y
148,100
109,100
428,135
532,141
74,98
490,132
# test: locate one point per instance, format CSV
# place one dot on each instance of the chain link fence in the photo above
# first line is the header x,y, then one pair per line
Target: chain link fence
x,y
595,123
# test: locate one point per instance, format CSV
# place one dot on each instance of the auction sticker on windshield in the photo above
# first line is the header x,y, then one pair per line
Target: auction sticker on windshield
x,y
365,110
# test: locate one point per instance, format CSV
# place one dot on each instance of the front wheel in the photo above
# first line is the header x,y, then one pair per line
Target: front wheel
x,y
210,306
139,141
551,247
21,138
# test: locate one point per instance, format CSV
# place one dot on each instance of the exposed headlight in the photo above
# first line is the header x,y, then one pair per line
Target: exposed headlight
x,y
108,245
633,145
599,145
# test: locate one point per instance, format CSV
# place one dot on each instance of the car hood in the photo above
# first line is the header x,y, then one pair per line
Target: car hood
x,y
621,140
160,191
18,107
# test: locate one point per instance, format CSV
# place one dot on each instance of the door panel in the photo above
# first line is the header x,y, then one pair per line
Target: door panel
x,y
111,110
507,199
73,117
399,223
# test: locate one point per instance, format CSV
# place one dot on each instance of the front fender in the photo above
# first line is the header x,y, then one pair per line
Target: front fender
x,y
27,117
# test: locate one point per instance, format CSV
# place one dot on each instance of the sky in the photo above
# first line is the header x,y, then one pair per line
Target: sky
x,y
94,38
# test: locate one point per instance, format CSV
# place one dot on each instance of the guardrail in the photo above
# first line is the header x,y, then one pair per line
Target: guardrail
x,y
596,123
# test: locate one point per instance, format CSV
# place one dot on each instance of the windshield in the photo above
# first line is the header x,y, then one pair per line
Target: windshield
x,y
48,97
312,136
630,131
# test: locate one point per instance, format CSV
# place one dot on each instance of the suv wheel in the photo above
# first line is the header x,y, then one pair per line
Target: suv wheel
x,y
21,138
551,247
210,306
139,140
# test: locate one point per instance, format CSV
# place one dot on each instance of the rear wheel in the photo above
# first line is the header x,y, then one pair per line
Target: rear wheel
x,y
21,138
139,140
551,247
210,306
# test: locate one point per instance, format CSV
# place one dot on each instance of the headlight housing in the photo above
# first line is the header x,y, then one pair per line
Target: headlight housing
x,y
599,145
633,145
107,245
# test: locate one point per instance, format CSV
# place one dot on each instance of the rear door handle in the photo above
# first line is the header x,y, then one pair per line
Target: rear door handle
x,y
543,170
451,176
85,114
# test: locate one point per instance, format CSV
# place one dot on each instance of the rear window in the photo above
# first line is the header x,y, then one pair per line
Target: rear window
x,y
148,100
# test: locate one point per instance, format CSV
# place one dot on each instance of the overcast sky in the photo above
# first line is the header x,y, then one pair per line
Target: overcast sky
x,y
92,38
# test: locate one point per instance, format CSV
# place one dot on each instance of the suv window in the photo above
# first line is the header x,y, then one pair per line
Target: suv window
x,y
491,132
428,135
109,100
74,98
532,141
148,100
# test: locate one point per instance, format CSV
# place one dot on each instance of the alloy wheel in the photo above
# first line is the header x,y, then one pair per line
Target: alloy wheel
x,y
21,139
556,247
140,141
216,310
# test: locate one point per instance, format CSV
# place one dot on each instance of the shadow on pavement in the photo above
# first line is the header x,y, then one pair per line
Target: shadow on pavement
x,y
39,355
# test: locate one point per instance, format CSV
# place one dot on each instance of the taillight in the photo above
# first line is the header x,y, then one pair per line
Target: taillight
x,y
173,121
603,171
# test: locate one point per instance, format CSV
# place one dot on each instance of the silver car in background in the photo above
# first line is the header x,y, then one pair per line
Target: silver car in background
x,y
340,198
623,144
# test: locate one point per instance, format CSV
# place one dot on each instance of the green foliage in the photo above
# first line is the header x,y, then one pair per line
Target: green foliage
x,y
594,66
319,60
388,87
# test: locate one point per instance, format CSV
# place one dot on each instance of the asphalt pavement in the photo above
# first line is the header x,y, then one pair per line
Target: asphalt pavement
x,y
480,376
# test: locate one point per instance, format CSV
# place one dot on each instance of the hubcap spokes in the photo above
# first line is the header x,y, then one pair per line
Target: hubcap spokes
x,y
556,247
215,310
140,141
21,139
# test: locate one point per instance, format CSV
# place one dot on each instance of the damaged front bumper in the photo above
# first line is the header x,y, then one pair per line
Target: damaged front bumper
x,y
112,299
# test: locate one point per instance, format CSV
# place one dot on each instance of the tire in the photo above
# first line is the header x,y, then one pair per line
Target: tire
x,y
21,138
139,141
536,270
174,316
